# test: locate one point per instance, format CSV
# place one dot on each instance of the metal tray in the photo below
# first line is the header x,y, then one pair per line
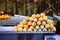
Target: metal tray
x,y
14,20
10,30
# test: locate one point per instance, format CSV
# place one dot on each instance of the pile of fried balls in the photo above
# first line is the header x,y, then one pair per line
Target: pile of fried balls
x,y
5,16
37,22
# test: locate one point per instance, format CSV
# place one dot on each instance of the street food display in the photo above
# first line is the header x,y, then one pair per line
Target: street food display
x,y
37,22
5,16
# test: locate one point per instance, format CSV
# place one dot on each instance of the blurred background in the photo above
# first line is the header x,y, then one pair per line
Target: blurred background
x,y
29,7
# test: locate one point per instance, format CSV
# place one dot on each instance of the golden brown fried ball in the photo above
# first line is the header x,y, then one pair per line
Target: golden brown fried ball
x,y
21,25
38,23
30,19
47,26
49,21
35,20
24,22
26,26
42,26
26,18
40,19
45,18
44,29
15,28
43,23
35,29
33,24
42,14
33,16
37,16
29,23
31,27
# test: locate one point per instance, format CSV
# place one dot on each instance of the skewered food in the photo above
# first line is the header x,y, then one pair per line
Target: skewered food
x,y
37,22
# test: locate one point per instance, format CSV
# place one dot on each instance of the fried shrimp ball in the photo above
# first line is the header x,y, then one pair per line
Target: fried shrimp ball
x,y
26,18
37,16
43,23
31,27
38,23
29,23
45,18
20,25
30,19
47,26
41,27
49,21
26,26
40,19
24,22
44,29
42,14
37,27
29,30
35,19
15,28
33,16
33,24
